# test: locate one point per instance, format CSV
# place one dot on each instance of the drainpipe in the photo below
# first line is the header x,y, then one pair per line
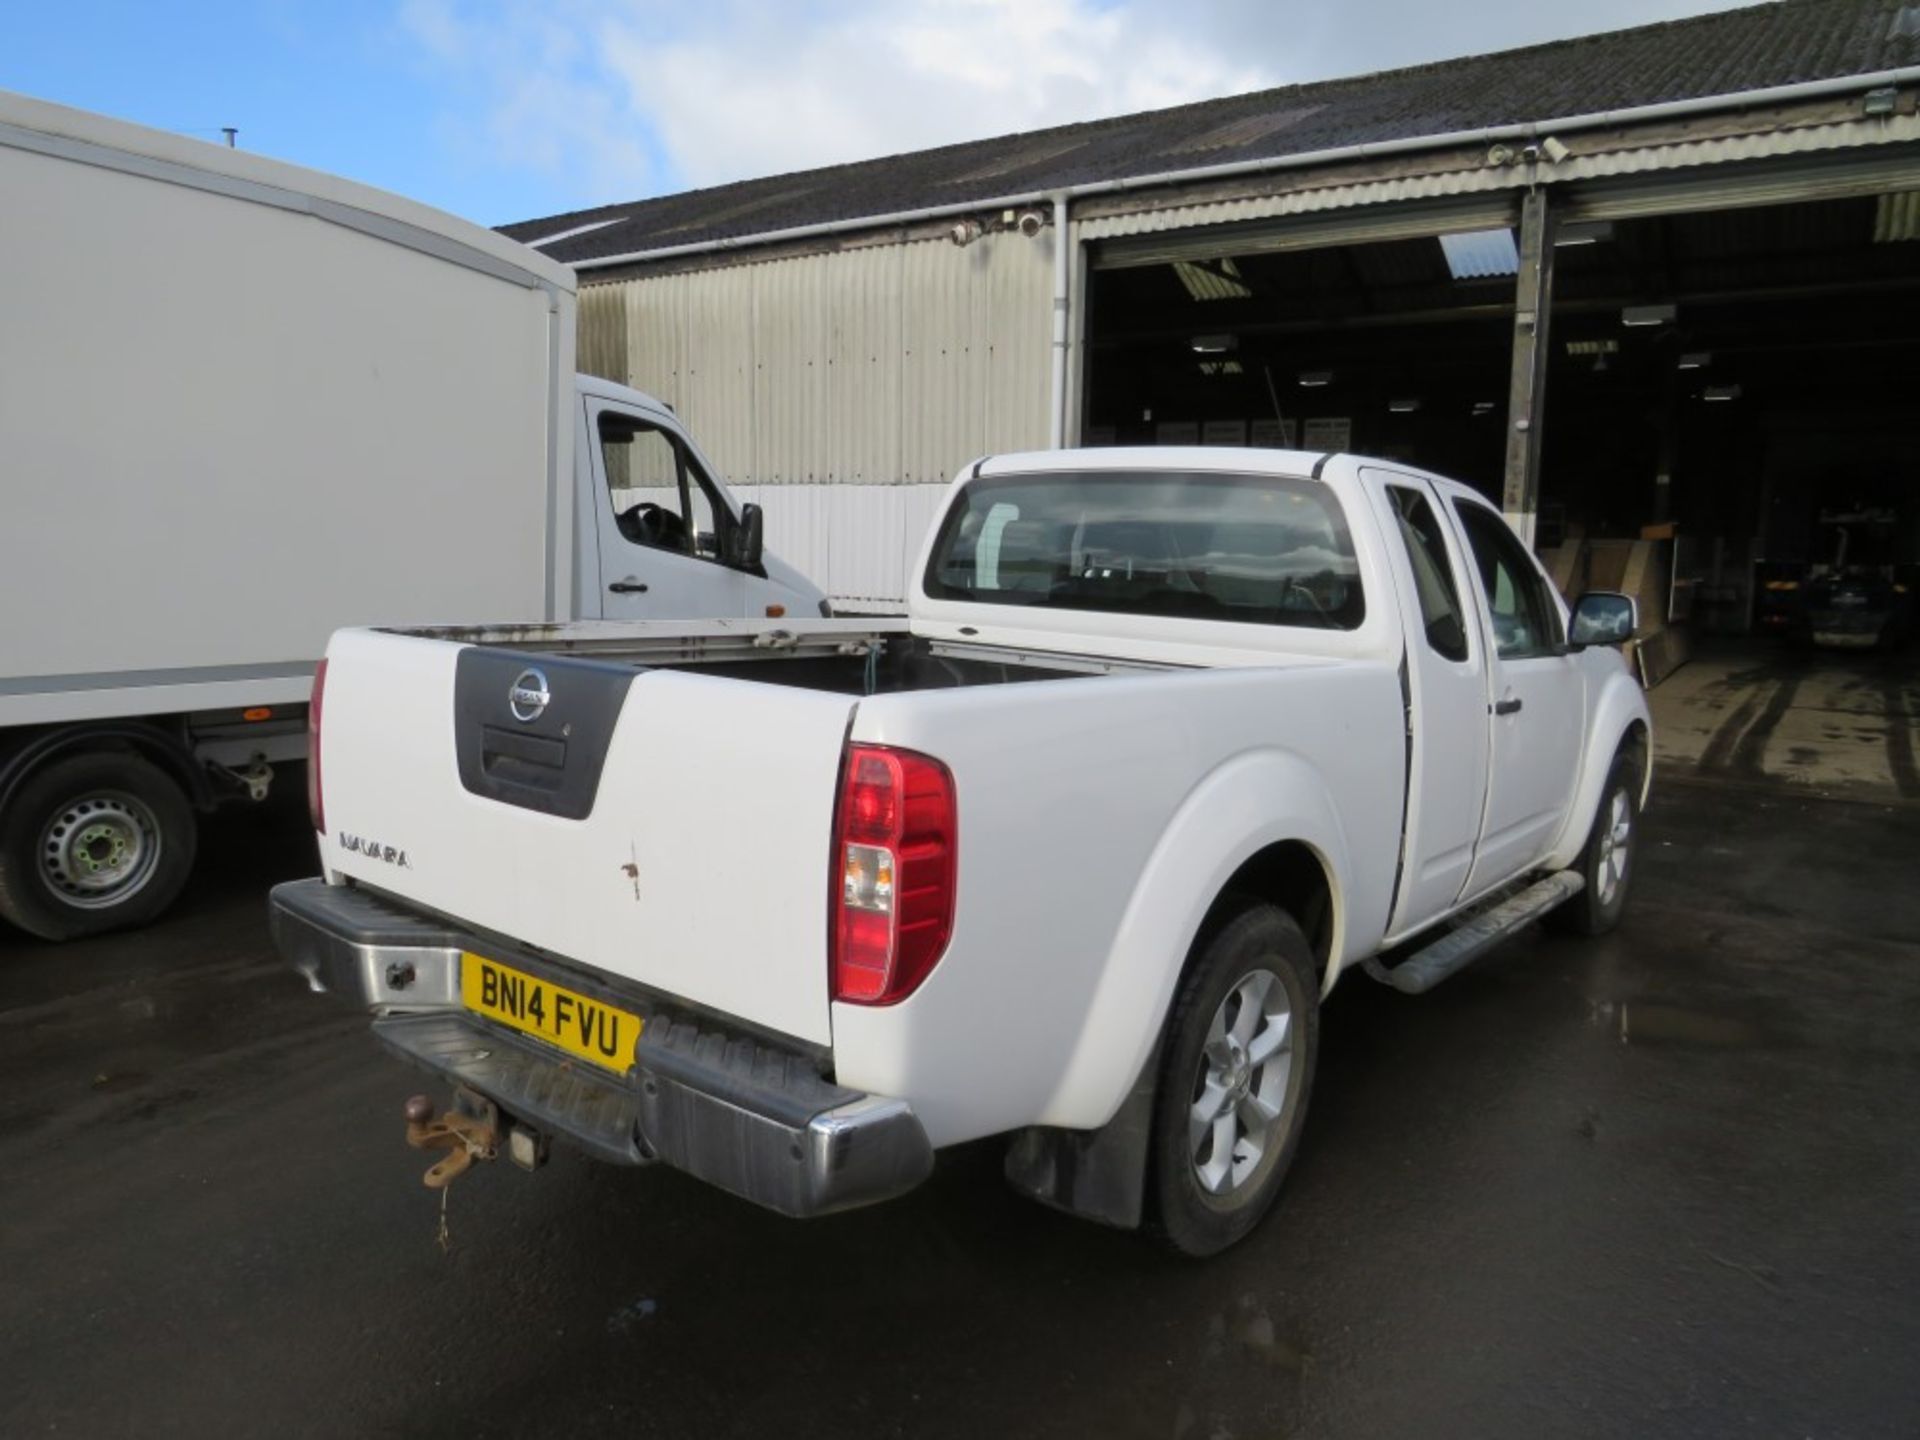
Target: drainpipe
x,y
1062,303
1527,386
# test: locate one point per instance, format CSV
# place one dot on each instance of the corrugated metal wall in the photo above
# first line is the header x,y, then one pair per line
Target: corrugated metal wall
x,y
602,332
869,370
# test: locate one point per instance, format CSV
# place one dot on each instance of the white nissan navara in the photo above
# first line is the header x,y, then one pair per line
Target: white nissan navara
x,y
1168,741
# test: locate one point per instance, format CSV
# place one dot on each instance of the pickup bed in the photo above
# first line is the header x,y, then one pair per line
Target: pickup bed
x,y
1168,741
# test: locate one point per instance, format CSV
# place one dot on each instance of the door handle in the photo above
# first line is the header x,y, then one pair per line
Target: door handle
x,y
628,587
1506,707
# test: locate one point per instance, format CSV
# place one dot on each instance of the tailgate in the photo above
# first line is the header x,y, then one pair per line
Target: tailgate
x,y
667,828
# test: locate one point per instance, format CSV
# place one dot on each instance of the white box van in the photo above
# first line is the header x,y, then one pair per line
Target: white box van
x,y
243,404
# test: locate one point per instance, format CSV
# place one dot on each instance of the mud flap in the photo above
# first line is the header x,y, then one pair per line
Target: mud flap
x,y
1096,1174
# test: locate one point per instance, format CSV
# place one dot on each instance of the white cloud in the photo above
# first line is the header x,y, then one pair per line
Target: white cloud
x,y
782,89
532,95
620,98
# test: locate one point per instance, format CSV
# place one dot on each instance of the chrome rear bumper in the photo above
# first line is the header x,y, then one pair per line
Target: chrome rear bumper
x,y
745,1113
367,950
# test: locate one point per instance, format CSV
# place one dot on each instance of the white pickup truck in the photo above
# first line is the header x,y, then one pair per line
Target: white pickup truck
x,y
1169,741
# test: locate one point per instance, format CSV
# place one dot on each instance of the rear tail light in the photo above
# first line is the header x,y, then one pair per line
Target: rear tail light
x,y
316,804
895,856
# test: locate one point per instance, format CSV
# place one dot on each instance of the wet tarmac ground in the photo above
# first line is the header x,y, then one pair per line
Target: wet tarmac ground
x,y
1665,1183
1839,723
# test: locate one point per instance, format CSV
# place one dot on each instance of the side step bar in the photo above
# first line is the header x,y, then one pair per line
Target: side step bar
x,y
1460,947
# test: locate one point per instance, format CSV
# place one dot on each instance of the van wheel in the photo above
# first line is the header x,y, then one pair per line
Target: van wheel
x,y
1607,858
1233,1090
93,843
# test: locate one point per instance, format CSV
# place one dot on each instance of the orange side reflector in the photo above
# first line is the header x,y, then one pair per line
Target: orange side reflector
x,y
257,712
774,612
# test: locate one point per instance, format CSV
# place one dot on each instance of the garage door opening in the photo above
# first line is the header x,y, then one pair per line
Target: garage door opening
x,y
1748,376
1397,348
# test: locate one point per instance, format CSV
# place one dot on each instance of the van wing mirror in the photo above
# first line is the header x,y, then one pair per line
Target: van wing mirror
x,y
748,538
1603,617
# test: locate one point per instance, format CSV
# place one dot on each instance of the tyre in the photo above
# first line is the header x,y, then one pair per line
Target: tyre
x,y
1607,858
92,843
1238,1069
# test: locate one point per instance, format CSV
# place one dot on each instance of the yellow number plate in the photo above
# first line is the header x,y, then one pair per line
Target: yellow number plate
x,y
591,1029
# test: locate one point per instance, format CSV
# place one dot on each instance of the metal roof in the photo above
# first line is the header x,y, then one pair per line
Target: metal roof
x,y
1728,53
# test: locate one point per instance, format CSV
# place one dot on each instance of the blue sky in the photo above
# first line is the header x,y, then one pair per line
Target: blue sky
x,y
506,110
343,86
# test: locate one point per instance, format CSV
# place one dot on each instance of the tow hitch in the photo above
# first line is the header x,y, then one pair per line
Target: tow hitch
x,y
468,1132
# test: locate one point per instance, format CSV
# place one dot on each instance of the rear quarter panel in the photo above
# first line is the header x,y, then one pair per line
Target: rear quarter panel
x,y
1098,819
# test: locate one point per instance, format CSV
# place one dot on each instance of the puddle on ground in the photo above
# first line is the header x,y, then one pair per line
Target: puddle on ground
x,y
1247,1371
1646,1023
1249,1332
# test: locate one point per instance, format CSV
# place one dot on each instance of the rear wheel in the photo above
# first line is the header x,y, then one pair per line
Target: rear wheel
x,y
1233,1088
93,843
1607,859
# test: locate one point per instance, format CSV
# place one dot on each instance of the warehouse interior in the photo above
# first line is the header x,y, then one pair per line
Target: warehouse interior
x,y
1374,347
1746,374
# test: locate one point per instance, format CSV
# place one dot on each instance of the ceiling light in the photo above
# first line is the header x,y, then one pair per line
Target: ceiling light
x,y
1583,232
1314,379
1404,406
1215,344
1721,392
1608,346
1698,360
1483,407
1638,315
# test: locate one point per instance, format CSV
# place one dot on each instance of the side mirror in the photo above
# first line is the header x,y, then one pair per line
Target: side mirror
x,y
1603,617
749,538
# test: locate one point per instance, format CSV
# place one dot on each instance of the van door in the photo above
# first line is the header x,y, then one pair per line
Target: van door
x,y
1537,708
663,525
1446,690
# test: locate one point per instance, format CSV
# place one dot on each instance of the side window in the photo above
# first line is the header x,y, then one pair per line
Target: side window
x,y
659,496
1440,610
1525,622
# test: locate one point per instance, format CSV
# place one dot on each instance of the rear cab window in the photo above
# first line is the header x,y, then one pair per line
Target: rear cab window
x,y
1441,615
1258,549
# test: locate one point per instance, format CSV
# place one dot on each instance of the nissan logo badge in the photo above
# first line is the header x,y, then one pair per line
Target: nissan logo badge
x,y
527,697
